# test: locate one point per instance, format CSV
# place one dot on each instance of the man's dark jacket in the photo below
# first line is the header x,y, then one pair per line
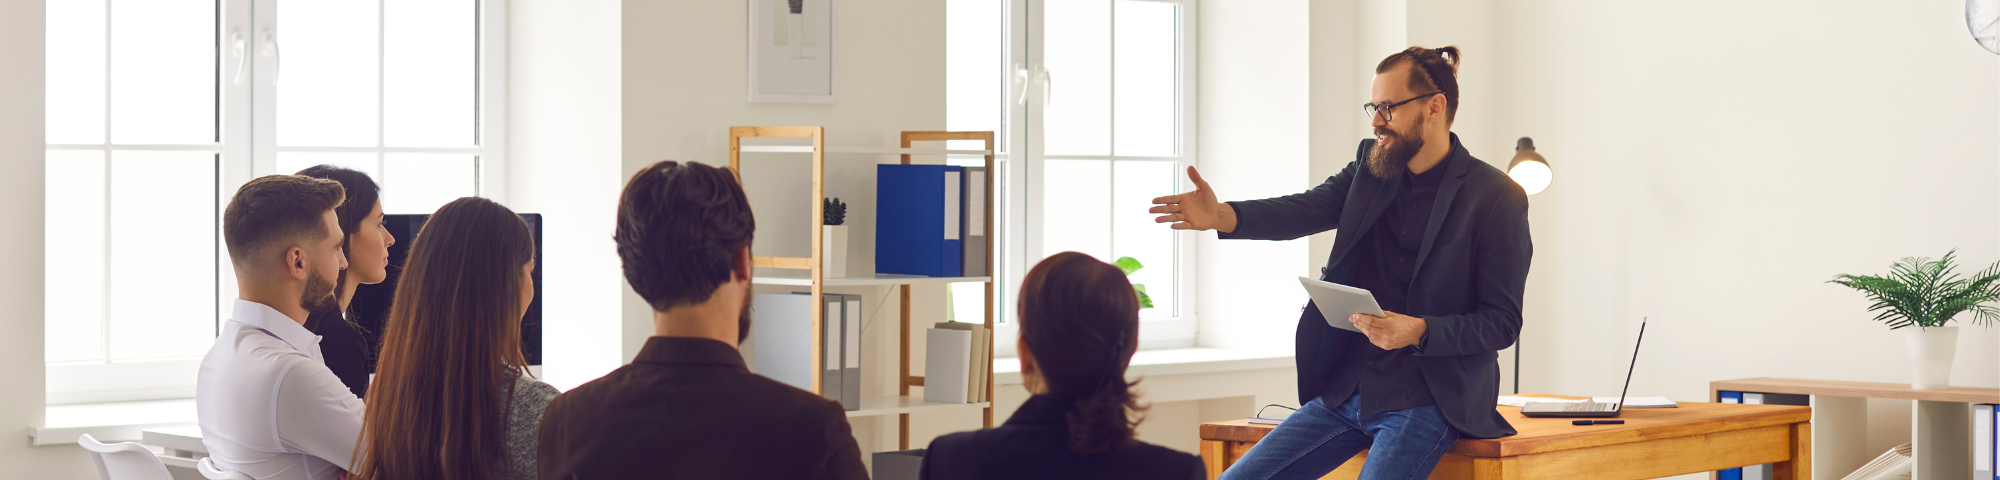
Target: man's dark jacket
x,y
1471,270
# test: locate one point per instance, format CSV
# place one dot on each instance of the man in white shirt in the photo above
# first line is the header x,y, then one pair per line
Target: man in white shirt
x,y
267,405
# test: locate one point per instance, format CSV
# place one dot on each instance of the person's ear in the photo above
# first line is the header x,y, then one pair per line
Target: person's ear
x,y
1031,375
1027,357
295,263
740,267
1437,106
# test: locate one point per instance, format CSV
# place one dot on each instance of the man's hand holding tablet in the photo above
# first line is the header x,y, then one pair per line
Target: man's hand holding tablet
x,y
1354,309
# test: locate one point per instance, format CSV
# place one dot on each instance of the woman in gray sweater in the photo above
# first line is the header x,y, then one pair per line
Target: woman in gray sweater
x,y
452,399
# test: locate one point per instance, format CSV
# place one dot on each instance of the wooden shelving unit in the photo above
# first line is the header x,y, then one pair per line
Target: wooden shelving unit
x,y
808,272
1941,429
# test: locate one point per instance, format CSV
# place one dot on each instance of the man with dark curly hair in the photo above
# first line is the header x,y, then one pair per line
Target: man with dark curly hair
x,y
686,407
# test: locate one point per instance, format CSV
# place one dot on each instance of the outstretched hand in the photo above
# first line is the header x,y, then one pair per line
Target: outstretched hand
x,y
1195,210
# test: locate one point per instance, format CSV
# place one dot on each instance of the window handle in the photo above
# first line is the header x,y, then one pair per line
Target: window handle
x,y
271,50
1048,85
1021,84
242,62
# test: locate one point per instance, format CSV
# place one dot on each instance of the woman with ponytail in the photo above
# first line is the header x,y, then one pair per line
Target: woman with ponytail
x,y
347,348
1079,324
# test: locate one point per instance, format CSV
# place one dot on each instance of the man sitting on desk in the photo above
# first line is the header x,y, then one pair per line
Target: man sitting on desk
x,y
1433,233
687,407
267,405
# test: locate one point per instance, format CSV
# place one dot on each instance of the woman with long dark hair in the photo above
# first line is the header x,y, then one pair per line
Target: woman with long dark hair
x,y
365,240
452,399
1079,324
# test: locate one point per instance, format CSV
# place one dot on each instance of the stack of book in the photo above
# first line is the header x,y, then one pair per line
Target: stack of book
x,y
1892,465
956,363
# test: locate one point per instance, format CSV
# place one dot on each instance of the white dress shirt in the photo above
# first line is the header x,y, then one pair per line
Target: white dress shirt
x,y
268,406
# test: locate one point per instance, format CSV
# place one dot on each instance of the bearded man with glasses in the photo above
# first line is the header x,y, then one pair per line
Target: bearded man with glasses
x,y
1441,240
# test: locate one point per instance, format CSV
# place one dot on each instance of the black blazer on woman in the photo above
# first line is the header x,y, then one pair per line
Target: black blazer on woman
x,y
1033,445
349,352
1470,274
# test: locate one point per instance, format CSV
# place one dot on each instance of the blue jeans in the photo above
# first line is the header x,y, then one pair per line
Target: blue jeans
x,y
1402,444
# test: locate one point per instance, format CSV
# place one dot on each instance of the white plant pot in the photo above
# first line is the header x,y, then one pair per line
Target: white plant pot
x,y
1931,351
833,250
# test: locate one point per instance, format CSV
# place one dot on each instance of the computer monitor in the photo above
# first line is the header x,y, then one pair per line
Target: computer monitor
x,y
371,302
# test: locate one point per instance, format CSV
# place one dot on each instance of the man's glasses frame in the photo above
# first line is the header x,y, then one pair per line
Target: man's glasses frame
x,y
1388,110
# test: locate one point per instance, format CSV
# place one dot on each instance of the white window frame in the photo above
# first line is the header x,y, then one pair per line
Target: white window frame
x,y
1023,244
247,148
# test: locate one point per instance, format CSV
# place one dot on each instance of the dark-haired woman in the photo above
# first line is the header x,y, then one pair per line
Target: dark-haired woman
x,y
1079,326
452,399
346,348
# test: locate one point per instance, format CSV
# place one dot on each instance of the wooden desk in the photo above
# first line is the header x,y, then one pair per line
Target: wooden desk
x,y
1697,437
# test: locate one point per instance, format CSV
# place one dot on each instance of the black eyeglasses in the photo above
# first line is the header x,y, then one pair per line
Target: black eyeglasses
x,y
1388,109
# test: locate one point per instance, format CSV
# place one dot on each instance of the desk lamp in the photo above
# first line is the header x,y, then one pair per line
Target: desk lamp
x,y
1529,168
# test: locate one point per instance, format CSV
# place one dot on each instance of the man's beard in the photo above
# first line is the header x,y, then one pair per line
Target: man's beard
x,y
1389,162
318,297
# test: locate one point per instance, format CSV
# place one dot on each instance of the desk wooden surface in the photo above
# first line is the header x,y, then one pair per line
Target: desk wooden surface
x,y
1653,442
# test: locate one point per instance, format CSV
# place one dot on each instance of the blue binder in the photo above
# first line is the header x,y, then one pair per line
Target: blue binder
x,y
917,224
1733,473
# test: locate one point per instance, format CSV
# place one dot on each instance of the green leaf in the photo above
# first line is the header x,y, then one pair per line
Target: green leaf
x,y
1924,293
1144,301
1128,264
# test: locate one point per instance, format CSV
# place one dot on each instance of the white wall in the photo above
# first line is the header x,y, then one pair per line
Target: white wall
x,y
1254,77
21,51
685,85
564,129
1713,171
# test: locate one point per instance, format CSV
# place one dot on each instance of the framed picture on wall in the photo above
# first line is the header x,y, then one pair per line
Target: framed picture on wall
x,y
791,51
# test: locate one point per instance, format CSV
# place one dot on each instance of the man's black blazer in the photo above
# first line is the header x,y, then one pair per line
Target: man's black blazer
x,y
1471,269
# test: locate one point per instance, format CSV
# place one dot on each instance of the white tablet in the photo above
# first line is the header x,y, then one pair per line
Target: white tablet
x,y
1337,302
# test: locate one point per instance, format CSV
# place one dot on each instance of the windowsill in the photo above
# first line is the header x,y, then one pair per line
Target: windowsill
x,y
123,421
109,422
1168,362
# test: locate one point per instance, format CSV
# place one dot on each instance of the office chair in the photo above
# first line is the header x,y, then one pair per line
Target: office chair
x,y
209,471
124,461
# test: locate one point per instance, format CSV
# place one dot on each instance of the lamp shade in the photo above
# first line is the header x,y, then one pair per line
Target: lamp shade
x,y
1529,168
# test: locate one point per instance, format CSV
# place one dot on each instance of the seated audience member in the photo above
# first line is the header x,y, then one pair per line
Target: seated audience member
x,y
452,399
266,403
1079,326
348,349
686,407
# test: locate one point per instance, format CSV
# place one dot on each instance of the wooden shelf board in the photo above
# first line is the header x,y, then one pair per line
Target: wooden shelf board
x,y
894,404
1858,389
801,278
860,150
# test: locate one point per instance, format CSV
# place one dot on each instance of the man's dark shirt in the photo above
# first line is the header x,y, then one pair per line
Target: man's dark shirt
x,y
1390,380
1469,277
688,408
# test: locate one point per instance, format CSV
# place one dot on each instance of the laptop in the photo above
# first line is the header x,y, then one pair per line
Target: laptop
x,y
1589,409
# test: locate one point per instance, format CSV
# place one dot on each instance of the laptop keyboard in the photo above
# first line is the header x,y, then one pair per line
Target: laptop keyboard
x,y
1588,407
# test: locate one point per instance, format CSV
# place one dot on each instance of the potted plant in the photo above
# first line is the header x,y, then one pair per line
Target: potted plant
x,y
833,230
1129,265
1926,294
